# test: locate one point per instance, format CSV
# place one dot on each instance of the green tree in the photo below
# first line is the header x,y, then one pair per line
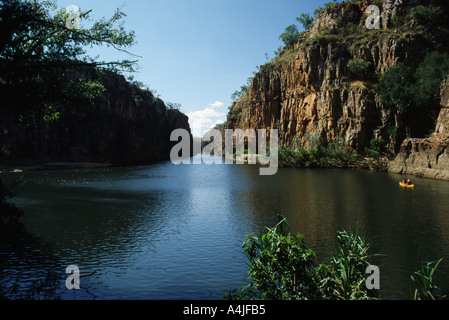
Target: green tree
x,y
290,35
243,89
173,106
40,45
358,66
427,15
306,20
326,6
402,88
398,87
429,75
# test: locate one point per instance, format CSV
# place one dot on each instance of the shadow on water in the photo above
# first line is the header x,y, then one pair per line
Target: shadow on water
x,y
176,232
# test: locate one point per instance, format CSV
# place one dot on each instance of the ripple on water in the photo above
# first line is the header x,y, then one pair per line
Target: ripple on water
x,y
176,232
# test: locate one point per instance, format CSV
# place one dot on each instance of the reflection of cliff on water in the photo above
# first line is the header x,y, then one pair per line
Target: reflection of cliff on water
x,y
176,232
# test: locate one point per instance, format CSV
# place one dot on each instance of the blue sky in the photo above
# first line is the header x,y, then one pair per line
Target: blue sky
x,y
198,52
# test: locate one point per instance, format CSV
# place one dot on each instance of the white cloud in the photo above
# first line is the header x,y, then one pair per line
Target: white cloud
x,y
202,120
216,104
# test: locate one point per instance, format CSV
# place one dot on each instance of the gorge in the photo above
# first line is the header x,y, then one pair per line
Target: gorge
x,y
142,227
129,126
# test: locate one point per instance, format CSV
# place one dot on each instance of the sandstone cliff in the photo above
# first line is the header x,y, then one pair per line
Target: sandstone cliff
x,y
427,157
309,90
128,126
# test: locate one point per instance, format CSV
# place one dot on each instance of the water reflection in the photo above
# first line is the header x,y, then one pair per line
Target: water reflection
x,y
175,232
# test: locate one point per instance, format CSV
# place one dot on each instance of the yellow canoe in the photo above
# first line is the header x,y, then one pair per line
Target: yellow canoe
x,y
406,185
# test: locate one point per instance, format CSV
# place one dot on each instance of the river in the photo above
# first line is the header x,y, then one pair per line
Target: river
x,y
175,232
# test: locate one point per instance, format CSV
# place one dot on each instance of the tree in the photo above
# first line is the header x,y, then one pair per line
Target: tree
x,y
402,88
173,106
358,66
397,87
429,75
40,45
306,20
326,6
430,15
243,89
290,35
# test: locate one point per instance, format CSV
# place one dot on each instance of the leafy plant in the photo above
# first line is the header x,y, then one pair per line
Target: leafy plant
x,y
401,88
306,20
426,289
327,5
358,66
344,277
397,87
429,75
310,152
243,89
173,106
279,266
377,146
426,15
282,268
290,35
38,50
46,288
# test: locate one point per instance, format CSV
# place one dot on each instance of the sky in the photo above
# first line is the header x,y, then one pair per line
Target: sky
x,y
198,52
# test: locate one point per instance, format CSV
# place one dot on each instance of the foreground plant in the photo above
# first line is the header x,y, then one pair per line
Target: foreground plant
x,y
282,268
426,289
344,277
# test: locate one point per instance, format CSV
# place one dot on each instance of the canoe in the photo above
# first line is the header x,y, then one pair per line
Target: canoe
x,y
406,185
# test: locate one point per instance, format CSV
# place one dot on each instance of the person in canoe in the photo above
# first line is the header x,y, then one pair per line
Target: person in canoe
x,y
406,183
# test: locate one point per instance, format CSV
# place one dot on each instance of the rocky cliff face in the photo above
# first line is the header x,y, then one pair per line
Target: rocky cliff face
x,y
129,126
309,90
427,157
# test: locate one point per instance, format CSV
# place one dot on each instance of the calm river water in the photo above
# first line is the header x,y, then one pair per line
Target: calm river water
x,y
176,232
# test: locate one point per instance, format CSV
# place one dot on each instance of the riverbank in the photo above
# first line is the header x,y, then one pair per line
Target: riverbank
x,y
397,166
53,166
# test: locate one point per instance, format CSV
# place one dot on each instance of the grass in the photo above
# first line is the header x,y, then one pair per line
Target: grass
x,y
425,287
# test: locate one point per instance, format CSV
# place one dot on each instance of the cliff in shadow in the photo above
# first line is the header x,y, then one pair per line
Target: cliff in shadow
x,y
309,89
127,125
